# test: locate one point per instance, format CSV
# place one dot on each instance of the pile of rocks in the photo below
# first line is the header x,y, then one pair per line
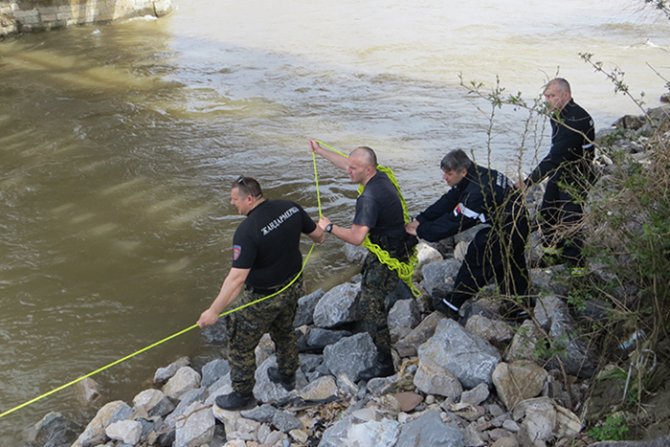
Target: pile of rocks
x,y
481,381
477,382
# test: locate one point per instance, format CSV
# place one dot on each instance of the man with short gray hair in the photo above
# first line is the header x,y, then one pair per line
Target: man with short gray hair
x,y
479,195
568,166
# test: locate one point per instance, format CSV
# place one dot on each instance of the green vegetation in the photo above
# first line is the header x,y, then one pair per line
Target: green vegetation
x,y
614,428
627,223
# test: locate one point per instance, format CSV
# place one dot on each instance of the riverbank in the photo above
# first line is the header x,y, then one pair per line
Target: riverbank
x,y
30,16
482,381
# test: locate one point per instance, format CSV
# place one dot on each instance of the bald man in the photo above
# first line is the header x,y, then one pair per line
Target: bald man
x,y
378,213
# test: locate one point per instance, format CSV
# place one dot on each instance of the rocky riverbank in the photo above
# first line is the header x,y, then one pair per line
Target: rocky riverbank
x,y
479,381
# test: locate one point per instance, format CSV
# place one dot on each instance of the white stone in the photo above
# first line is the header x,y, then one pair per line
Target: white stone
x,y
321,389
184,380
426,254
128,432
538,416
569,424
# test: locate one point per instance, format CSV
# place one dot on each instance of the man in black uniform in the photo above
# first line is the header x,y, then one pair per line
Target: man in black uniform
x,y
478,195
568,166
266,257
379,213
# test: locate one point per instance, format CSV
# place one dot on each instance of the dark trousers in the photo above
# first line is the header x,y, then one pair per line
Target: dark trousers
x,y
274,316
378,281
560,223
494,253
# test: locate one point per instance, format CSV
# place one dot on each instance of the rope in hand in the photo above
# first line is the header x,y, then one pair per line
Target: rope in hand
x,y
404,270
153,345
176,334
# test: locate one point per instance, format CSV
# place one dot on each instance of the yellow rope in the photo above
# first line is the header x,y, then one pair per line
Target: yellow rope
x,y
153,345
405,270
316,182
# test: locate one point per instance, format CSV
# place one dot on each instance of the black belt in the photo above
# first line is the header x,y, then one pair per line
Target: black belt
x,y
262,291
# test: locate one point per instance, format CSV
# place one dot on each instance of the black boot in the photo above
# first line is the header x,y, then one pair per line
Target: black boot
x,y
288,382
235,400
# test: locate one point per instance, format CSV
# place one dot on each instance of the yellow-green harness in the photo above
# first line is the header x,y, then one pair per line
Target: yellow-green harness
x,y
404,270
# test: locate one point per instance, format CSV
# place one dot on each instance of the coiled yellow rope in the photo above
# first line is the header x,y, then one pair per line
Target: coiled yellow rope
x,y
404,270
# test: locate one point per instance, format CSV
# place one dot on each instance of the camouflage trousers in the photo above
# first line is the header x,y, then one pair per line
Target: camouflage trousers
x,y
378,281
246,327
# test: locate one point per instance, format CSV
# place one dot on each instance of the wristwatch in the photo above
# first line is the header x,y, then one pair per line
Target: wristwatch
x,y
329,228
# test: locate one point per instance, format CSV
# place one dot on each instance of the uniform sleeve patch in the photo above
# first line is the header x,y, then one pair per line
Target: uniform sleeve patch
x,y
237,250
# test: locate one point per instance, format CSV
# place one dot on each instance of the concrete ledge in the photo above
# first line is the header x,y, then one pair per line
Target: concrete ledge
x,y
42,15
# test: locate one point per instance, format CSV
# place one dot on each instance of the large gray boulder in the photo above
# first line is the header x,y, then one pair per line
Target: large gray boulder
x,y
213,371
196,428
306,305
318,338
439,275
126,432
321,390
265,389
164,374
187,399
351,355
337,306
53,430
403,317
469,357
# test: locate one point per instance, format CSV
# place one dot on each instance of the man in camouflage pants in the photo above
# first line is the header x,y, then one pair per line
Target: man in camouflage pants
x,y
266,257
379,213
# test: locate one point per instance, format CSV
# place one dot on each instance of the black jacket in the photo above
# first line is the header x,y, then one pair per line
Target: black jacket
x,y
572,150
482,196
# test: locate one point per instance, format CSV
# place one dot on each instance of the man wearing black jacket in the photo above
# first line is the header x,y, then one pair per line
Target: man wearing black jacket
x,y
478,195
568,166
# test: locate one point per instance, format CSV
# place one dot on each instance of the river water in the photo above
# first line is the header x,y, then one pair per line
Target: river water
x,y
118,144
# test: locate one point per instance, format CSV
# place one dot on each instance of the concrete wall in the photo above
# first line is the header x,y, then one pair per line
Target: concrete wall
x,y
38,15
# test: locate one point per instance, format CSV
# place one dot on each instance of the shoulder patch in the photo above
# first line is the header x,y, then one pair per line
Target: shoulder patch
x,y
237,250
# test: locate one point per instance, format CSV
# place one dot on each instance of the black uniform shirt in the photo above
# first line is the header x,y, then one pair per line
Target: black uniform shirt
x,y
268,242
572,149
379,208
